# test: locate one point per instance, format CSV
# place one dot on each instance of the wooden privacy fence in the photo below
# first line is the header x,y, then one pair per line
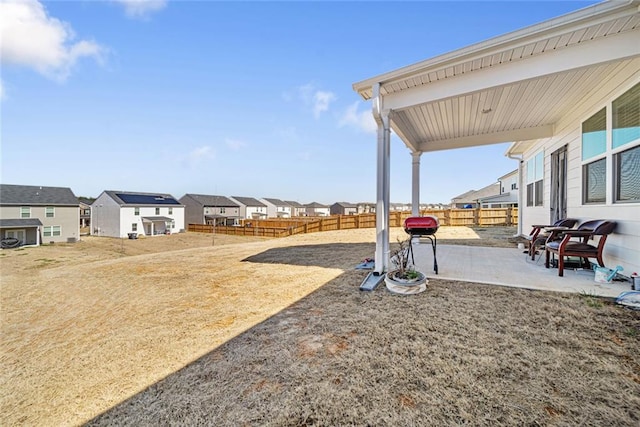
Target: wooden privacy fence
x,y
281,227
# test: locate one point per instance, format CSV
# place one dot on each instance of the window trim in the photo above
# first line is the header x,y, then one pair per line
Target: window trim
x,y
46,212
22,211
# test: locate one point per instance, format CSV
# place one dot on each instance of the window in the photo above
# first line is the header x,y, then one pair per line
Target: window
x,y
136,211
594,135
134,227
157,211
594,176
535,170
25,212
221,210
514,186
170,211
49,212
626,117
627,168
52,230
618,146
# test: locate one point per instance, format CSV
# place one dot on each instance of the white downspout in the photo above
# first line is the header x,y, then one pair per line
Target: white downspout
x,y
382,184
415,184
520,191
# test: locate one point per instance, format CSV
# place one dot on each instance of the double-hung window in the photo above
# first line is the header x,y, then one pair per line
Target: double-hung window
x,y
626,131
50,231
49,212
25,212
535,173
611,139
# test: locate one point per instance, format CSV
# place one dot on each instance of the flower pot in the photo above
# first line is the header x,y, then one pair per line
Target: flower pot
x,y
402,286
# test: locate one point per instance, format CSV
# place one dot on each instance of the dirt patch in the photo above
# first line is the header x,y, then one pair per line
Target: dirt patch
x,y
276,332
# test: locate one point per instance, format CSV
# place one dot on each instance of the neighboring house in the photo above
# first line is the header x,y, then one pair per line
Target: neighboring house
x,y
401,207
317,209
250,208
366,207
508,197
121,213
85,211
297,209
343,208
277,208
471,198
565,93
212,210
35,214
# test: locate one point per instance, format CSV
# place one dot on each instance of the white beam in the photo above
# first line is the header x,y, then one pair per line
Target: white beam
x,y
381,116
606,49
490,138
415,184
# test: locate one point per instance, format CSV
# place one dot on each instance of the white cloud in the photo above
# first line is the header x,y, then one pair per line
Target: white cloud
x,y
199,155
235,144
361,120
317,100
141,8
33,39
321,101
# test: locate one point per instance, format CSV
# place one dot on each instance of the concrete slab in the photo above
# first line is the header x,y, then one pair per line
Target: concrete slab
x,y
508,267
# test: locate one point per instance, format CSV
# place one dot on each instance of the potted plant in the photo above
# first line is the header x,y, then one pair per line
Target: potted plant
x,y
404,278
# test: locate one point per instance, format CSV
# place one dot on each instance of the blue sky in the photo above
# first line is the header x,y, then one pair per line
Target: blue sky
x,y
230,98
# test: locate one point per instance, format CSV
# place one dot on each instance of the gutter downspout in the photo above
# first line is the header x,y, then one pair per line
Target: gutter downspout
x,y
520,190
382,185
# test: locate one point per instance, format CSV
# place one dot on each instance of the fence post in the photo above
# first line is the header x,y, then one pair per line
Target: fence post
x,y
509,213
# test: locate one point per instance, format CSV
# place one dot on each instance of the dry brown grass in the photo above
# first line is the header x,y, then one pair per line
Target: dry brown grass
x,y
276,332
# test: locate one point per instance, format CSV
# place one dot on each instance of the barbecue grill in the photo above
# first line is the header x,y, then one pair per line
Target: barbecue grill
x,y
423,226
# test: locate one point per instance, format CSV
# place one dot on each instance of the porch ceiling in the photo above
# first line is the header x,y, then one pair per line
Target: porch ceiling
x,y
511,88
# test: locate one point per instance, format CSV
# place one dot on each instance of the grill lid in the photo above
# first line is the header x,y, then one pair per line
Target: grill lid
x,y
421,225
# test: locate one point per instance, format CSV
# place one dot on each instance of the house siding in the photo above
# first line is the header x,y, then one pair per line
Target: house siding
x,y
623,246
193,210
67,217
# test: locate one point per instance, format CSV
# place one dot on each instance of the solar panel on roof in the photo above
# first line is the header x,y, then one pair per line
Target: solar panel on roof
x,y
147,199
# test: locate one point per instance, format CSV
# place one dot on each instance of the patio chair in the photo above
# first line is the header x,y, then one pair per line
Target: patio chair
x,y
579,248
538,235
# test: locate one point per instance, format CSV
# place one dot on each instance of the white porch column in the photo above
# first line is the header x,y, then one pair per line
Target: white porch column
x,y
521,200
415,184
383,179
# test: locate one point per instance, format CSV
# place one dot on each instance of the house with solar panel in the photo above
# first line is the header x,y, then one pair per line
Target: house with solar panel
x,y
130,214
209,209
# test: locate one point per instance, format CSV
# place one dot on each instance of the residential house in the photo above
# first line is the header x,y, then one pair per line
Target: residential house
x,y
85,211
401,207
508,196
35,214
366,207
126,213
343,208
297,209
277,208
563,92
212,210
317,209
250,208
471,198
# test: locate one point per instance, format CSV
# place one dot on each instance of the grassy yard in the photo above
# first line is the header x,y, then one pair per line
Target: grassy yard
x,y
186,329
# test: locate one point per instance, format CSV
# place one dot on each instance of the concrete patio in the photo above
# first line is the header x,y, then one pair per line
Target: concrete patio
x,y
508,267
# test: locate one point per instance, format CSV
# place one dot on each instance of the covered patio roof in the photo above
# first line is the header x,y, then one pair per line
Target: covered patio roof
x,y
512,88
